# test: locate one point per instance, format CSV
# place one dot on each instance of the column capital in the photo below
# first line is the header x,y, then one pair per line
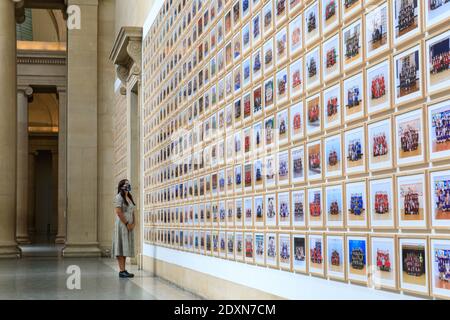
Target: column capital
x,y
61,89
27,90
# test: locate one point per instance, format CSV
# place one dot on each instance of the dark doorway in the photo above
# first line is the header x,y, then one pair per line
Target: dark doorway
x,y
45,212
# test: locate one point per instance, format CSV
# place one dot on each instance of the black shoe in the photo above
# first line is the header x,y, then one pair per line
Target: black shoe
x,y
125,274
130,275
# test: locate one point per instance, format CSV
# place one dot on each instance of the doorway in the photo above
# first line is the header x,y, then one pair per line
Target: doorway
x,y
46,217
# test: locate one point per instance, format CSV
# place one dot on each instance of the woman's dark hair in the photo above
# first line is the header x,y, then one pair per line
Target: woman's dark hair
x,y
122,192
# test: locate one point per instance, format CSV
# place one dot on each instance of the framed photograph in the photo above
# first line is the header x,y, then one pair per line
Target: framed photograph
x,y
356,204
408,75
313,67
268,56
352,44
357,267
239,250
294,5
248,212
335,257
297,164
439,130
268,94
413,265
409,137
281,45
438,62
315,207
378,87
259,210
247,141
295,36
296,78
230,213
354,98
314,118
314,154
411,199
247,101
298,208
316,260
259,249
406,19
267,17
332,100
380,144
382,206
245,31
355,150
350,7
256,29
239,212
257,101
237,79
334,205
312,23
280,11
245,8
246,73
230,245
256,65
333,156
284,218
269,171
237,47
440,198
299,252
270,208
330,15
249,247
258,174
436,11
271,249
284,241
283,168
297,127
248,172
283,126
440,267
282,87
331,58
384,262
377,33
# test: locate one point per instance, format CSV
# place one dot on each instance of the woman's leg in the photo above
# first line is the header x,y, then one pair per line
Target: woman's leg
x,y
121,261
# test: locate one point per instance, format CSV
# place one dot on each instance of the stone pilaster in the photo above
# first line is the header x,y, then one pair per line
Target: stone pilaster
x,y
62,166
22,236
8,133
82,126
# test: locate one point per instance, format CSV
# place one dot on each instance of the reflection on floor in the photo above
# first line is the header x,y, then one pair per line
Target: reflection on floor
x,y
42,275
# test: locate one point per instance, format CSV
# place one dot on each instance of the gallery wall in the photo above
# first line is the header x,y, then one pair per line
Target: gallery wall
x,y
310,138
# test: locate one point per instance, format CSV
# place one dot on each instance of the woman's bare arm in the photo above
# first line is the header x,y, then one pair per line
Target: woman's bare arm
x,y
121,215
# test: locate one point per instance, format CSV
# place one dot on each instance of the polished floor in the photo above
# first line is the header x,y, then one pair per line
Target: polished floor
x,y
41,274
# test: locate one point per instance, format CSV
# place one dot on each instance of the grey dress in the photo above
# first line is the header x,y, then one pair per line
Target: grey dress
x,y
123,240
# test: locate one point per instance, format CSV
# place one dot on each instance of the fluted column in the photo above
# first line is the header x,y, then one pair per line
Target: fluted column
x,y
62,166
8,134
22,236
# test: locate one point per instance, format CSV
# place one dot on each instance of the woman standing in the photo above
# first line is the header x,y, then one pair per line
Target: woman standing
x,y
123,237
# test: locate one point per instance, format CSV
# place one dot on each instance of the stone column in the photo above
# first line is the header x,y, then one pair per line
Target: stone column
x,y
22,236
62,166
8,133
54,213
31,194
82,171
